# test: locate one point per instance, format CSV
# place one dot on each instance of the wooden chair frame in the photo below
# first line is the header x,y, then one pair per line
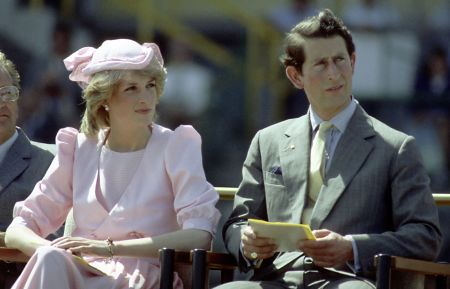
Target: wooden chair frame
x,y
202,261
386,265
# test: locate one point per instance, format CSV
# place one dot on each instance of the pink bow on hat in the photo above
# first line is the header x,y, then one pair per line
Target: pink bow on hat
x,y
118,54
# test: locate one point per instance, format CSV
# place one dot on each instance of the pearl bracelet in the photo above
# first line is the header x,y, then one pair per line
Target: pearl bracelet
x,y
110,245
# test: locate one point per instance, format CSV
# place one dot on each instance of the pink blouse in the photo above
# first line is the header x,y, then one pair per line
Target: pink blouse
x,y
168,192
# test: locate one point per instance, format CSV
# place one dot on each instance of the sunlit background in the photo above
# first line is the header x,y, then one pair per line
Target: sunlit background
x,y
224,76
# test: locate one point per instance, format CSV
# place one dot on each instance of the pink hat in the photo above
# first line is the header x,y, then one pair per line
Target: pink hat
x,y
118,54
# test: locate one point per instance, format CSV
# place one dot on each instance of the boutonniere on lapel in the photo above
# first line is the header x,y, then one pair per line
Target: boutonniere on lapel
x,y
276,170
290,147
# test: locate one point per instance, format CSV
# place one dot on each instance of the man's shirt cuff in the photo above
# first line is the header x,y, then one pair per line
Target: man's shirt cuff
x,y
354,265
250,263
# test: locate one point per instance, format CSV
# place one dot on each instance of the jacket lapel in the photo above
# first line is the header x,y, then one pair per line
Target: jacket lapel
x,y
350,154
294,160
16,160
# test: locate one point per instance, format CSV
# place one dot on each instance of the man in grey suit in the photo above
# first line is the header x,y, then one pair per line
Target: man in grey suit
x,y
22,163
373,195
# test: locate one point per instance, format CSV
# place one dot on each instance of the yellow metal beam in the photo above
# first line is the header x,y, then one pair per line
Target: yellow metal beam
x,y
68,8
150,19
36,3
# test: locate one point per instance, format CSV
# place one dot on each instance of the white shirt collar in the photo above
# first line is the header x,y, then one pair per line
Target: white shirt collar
x,y
339,121
4,147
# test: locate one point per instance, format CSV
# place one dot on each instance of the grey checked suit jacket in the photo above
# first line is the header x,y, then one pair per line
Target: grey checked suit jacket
x,y
24,165
376,190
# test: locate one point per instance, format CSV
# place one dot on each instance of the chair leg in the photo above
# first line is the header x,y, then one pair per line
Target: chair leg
x,y
441,282
2,280
226,275
384,272
167,263
198,268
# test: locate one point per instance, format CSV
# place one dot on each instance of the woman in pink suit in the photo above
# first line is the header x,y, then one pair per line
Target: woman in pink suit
x,y
134,186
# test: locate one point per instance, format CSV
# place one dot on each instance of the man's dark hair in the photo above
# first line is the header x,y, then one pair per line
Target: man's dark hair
x,y
323,25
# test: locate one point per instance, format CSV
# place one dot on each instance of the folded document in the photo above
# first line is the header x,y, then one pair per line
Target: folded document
x,y
286,235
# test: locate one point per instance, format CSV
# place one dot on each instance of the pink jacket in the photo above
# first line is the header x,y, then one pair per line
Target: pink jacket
x,y
168,192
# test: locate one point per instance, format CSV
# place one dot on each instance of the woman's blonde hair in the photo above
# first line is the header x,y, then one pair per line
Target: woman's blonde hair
x,y
100,89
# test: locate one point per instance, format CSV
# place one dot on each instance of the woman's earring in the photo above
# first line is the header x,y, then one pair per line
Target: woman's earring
x,y
106,107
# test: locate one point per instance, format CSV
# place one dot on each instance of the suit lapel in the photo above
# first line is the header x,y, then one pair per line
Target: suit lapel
x,y
350,154
16,160
294,160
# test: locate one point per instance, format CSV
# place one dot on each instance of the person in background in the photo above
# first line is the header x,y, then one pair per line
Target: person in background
x,y
134,186
328,169
430,115
371,16
286,16
50,100
432,83
22,162
188,90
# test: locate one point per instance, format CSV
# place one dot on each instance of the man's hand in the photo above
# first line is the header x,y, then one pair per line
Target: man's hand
x,y
263,247
329,249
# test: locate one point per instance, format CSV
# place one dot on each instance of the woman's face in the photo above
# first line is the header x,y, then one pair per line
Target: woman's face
x,y
133,101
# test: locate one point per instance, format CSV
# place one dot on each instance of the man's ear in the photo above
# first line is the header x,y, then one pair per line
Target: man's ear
x,y
294,76
352,61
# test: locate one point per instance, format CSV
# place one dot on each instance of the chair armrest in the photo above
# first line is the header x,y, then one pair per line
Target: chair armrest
x,y
387,264
214,260
222,262
202,261
2,239
414,265
420,266
219,261
13,255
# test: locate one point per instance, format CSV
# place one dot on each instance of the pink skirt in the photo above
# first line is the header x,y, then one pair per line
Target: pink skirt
x,y
51,267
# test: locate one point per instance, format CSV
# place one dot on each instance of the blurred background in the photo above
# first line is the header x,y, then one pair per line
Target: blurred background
x,y
224,76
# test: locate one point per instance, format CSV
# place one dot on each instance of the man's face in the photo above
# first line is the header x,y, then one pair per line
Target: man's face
x,y
8,111
327,75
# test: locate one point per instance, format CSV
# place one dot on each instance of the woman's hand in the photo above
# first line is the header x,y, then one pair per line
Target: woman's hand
x,y
78,245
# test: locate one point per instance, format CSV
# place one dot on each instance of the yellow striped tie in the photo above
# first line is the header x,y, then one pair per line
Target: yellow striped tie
x,y
316,168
